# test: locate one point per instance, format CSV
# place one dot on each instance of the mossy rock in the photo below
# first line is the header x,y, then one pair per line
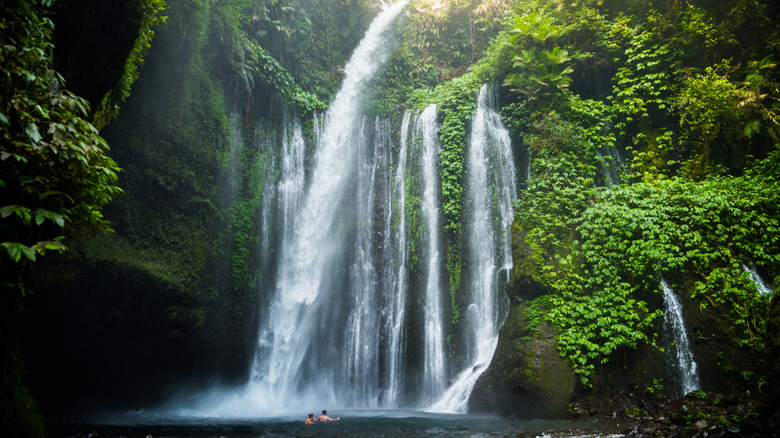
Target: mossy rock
x,y
527,377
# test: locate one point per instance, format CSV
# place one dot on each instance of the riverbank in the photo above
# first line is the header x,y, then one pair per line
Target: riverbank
x,y
698,414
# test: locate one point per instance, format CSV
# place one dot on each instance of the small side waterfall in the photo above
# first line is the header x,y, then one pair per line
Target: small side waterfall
x,y
528,167
434,373
490,191
680,350
611,164
762,286
231,180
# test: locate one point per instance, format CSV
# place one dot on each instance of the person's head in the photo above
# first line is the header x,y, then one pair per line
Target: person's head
x,y
311,415
324,412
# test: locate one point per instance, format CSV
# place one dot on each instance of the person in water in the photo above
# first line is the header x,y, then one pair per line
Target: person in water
x,y
310,420
324,417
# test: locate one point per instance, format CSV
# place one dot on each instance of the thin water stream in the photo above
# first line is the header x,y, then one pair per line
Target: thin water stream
x,y
682,360
434,370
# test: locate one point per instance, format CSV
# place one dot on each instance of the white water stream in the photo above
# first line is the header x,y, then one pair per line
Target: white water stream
x,y
490,191
433,377
762,286
680,353
303,353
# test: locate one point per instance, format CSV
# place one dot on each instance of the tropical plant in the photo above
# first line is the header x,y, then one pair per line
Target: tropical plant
x,y
55,171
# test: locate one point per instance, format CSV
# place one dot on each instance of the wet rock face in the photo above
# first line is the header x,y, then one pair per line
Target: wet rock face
x,y
527,377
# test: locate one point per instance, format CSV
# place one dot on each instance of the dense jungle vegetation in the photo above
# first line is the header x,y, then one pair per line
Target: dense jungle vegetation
x,y
651,128
678,100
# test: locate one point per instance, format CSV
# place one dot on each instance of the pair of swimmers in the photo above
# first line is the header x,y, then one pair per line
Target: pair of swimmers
x,y
322,418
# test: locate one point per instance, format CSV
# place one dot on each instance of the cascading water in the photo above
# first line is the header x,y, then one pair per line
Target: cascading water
x,y
680,350
340,257
611,164
363,325
490,191
434,371
528,167
762,286
396,274
284,198
309,351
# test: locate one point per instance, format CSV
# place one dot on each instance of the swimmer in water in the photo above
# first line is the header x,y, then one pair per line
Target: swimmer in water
x,y
324,417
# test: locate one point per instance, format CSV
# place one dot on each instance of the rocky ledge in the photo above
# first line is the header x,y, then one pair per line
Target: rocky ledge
x,y
697,415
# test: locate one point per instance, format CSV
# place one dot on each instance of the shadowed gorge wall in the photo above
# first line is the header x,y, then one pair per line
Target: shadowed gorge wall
x,y
92,40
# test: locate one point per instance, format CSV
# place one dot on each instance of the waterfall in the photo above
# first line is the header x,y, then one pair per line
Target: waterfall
x,y
232,179
363,324
284,199
762,286
396,274
490,191
680,349
433,330
352,310
611,164
323,284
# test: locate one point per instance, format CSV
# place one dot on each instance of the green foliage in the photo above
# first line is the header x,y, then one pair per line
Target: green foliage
x,y
687,104
404,75
707,102
663,225
641,90
760,97
287,18
451,34
594,323
151,17
597,256
312,39
534,314
55,171
456,106
250,62
454,268
538,65
593,315
241,224
560,191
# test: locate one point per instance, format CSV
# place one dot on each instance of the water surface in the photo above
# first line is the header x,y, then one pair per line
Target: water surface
x,y
353,423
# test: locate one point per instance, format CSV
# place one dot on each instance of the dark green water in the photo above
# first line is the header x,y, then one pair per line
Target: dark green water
x,y
395,423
